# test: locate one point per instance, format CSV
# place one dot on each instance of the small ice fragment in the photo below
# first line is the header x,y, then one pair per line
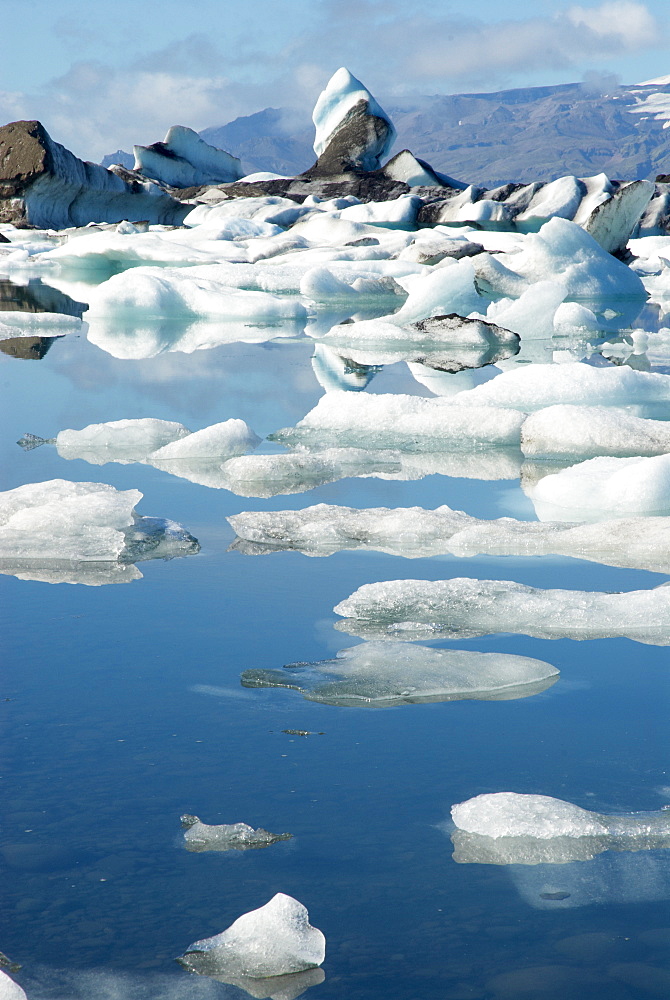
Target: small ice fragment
x,y
9,990
226,836
274,940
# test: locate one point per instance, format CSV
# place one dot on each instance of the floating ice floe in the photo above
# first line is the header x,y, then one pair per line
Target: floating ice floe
x,y
382,675
602,488
31,324
506,828
63,532
588,431
163,443
413,532
463,607
201,836
413,423
537,386
274,940
9,990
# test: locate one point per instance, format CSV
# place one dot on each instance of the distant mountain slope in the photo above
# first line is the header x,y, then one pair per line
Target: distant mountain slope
x,y
532,133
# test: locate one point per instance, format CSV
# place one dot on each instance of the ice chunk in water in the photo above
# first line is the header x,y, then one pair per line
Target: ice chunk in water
x,y
380,674
413,532
229,438
463,607
508,814
118,440
605,487
537,386
201,836
9,990
274,940
565,430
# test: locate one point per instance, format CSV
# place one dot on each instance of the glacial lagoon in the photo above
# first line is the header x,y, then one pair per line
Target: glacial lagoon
x,y
183,667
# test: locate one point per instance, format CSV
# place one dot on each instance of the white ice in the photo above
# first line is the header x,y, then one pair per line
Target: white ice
x,y
274,940
118,440
382,674
534,387
588,431
342,92
224,440
603,488
9,990
414,532
462,607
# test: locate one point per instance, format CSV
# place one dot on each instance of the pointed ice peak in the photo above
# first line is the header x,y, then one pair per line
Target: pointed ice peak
x,y
341,94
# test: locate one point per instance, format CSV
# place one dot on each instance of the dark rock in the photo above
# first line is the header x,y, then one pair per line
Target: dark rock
x,y
357,143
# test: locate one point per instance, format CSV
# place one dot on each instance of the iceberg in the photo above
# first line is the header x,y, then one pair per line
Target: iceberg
x,y
274,940
413,423
352,130
382,675
508,828
199,836
9,990
185,160
58,531
463,608
602,488
414,533
589,431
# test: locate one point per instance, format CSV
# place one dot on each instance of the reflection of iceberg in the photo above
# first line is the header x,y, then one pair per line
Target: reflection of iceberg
x,y
507,828
274,940
145,338
334,371
463,607
226,836
411,423
27,348
300,470
413,532
387,674
286,987
63,532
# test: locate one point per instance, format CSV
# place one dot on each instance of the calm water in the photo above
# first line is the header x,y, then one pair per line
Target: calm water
x,y
121,708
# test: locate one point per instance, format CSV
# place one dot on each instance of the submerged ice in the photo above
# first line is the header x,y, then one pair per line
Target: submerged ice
x,y
381,674
199,836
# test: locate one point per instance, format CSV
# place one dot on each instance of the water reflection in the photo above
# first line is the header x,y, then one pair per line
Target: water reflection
x,y
27,348
287,987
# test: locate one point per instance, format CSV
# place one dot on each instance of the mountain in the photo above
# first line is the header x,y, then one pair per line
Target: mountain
x,y
531,133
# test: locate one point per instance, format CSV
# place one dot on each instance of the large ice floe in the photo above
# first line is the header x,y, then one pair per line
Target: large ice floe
x,y
588,431
274,940
9,990
382,675
199,836
602,488
64,532
463,607
414,532
508,828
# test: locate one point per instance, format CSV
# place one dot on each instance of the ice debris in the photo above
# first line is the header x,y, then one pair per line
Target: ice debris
x,y
274,940
511,828
381,675
464,607
415,532
201,836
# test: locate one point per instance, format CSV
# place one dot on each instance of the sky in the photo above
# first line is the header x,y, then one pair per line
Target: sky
x,y
103,76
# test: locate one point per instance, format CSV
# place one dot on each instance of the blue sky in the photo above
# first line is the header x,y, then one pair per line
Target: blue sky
x,y
103,76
